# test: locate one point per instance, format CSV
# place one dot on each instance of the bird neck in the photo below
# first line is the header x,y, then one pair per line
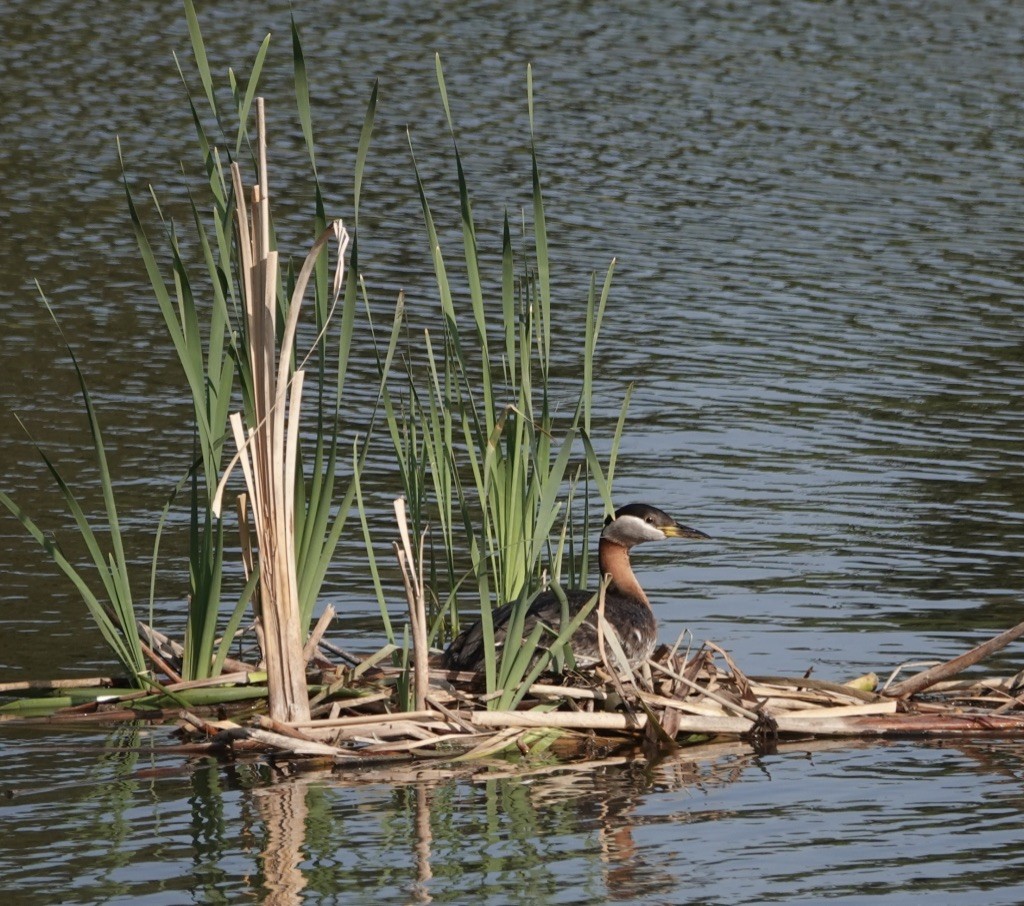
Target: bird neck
x,y
614,561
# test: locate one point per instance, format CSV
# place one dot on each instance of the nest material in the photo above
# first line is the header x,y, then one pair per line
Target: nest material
x,y
675,700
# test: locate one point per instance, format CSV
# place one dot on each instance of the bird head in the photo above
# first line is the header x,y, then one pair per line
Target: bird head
x,y
636,523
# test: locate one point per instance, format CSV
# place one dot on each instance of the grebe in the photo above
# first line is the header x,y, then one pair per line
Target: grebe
x,y
626,606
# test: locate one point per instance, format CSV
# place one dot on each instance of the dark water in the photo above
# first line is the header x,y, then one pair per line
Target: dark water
x,y
716,825
816,211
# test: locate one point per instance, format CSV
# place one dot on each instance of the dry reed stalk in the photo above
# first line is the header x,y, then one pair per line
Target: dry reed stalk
x,y
354,704
241,678
268,449
412,578
947,724
738,677
543,690
164,646
331,648
807,684
400,728
359,719
682,704
309,650
391,735
776,704
620,671
847,723
168,648
442,697
560,720
297,746
160,663
210,727
705,691
928,678
494,742
448,714
1012,701
372,660
275,726
888,707
796,694
245,535
986,684
330,737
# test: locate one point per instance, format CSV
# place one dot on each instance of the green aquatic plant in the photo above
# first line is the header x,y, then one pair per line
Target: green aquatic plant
x,y
481,446
214,344
111,606
483,452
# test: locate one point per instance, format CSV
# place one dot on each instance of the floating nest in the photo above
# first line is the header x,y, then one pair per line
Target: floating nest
x,y
677,699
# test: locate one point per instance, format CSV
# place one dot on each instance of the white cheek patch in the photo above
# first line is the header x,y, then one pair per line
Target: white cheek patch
x,y
635,523
636,529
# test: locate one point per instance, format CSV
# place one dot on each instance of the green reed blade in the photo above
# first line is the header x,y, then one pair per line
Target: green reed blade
x,y
371,561
199,52
540,240
364,146
250,93
302,94
109,629
234,621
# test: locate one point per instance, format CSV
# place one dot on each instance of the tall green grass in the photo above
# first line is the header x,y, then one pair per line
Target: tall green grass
x,y
223,368
481,445
486,459
112,606
201,311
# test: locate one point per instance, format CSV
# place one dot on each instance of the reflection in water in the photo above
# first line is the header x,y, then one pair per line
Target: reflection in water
x,y
423,839
503,820
715,823
566,833
282,809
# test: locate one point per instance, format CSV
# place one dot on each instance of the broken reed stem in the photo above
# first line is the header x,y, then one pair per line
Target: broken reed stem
x,y
275,726
240,678
309,650
172,649
449,715
562,720
297,746
160,663
412,578
696,687
928,678
245,536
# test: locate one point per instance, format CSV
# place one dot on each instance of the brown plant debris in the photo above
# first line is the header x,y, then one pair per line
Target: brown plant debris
x,y
676,700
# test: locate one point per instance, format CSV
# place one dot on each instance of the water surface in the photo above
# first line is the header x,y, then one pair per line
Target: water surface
x,y
816,215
